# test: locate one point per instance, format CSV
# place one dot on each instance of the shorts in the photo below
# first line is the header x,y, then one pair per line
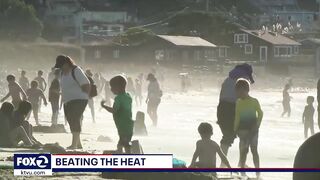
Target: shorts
x,y
248,138
124,140
226,116
73,111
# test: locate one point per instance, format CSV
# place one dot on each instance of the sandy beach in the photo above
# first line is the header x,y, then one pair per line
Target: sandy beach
x,y
180,114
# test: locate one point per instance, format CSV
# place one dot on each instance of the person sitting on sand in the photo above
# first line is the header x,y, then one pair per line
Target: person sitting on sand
x,y
122,113
247,122
139,125
19,119
286,101
11,137
307,117
206,149
34,95
15,91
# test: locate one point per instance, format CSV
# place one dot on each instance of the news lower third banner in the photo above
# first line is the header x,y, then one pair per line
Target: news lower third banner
x,y
45,164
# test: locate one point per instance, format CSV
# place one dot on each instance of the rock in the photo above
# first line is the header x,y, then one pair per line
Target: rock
x,y
54,148
104,139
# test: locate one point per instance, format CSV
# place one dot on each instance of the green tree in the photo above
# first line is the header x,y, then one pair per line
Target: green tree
x,y
18,21
211,27
134,36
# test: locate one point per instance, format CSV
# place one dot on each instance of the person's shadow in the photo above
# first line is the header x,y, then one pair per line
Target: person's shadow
x,y
308,157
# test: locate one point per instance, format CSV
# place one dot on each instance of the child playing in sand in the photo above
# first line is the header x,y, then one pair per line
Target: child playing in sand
x,y
307,117
286,101
11,137
122,113
54,97
34,95
247,123
15,91
206,149
24,81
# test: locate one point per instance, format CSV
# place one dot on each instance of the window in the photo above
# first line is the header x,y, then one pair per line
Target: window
x,y
97,54
209,54
241,38
222,52
282,51
159,54
248,49
116,53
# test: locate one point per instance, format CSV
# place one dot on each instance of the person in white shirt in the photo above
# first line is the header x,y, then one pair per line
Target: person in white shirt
x,y
75,89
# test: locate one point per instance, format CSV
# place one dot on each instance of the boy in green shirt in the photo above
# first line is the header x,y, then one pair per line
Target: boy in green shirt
x,y
247,122
122,113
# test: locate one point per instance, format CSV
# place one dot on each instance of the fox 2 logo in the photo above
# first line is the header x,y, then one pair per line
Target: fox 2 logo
x,y
32,161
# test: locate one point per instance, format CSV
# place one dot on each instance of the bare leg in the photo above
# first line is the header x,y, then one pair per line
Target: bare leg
x,y
75,141
256,159
55,113
91,106
35,115
244,149
289,111
225,149
305,131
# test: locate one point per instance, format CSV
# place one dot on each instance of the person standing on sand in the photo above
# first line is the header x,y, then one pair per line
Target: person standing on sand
x,y
227,104
307,117
15,91
154,98
54,97
24,81
122,113
75,94
247,123
35,95
286,101
138,93
42,84
41,81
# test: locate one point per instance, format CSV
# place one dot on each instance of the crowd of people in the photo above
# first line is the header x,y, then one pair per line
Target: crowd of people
x,y
72,88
